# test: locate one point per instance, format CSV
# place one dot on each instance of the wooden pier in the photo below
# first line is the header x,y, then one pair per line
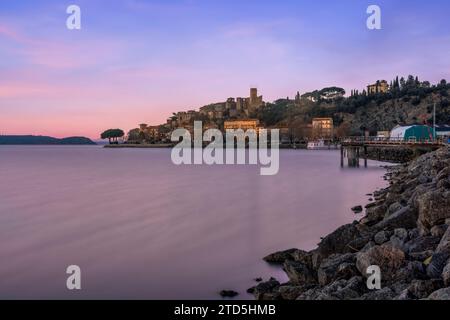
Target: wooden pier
x,y
353,148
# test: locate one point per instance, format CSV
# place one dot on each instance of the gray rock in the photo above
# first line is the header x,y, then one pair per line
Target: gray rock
x,y
382,294
401,233
413,233
404,295
446,274
396,206
335,267
228,293
336,242
302,256
444,174
381,237
281,256
420,289
422,243
397,243
359,243
374,214
422,255
437,264
369,245
404,218
423,179
433,207
264,288
441,294
288,292
357,209
413,270
444,243
439,231
299,273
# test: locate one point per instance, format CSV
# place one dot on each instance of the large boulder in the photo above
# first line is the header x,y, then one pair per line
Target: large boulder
x,y
281,256
422,244
299,273
289,292
444,244
413,270
337,290
336,242
419,289
337,267
264,289
381,237
446,274
437,264
406,218
439,231
441,294
388,258
433,208
374,214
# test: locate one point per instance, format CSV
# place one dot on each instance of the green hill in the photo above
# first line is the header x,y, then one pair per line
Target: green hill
x,y
408,101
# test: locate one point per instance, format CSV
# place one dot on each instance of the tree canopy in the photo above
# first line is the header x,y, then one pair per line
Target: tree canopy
x,y
112,135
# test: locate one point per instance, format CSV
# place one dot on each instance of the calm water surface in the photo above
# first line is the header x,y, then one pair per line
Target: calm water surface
x,y
141,227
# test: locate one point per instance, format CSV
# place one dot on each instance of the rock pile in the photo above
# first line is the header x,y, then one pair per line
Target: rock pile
x,y
404,232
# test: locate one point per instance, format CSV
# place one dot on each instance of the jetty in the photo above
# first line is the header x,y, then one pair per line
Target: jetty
x,y
354,148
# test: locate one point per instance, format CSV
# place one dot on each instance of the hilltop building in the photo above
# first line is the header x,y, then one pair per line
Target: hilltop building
x,y
255,101
330,93
378,87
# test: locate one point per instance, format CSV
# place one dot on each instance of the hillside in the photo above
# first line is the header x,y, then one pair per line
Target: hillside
x,y
44,140
408,102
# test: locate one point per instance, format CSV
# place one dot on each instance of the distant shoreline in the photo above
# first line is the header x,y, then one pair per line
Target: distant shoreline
x,y
139,146
170,145
43,140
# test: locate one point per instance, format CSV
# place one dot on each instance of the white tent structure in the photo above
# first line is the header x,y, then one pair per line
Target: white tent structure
x,y
399,132
414,132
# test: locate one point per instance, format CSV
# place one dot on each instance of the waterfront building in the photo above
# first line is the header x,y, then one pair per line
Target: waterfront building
x,y
383,134
442,131
413,132
378,87
322,128
242,124
153,132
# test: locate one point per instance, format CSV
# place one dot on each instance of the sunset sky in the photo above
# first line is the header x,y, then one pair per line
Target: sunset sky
x,y
138,61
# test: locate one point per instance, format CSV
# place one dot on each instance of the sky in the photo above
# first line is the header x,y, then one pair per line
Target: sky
x,y
138,61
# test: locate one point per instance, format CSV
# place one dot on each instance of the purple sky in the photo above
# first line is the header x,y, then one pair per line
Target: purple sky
x,y
138,61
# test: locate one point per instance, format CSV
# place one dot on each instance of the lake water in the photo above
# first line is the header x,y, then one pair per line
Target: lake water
x,y
140,227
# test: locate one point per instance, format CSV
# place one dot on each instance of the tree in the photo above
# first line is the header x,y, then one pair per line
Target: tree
x,y
112,135
133,134
402,83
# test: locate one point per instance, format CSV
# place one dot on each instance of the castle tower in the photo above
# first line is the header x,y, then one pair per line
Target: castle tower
x,y
253,96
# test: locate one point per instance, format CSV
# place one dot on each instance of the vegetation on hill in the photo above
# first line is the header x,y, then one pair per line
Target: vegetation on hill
x,y
408,101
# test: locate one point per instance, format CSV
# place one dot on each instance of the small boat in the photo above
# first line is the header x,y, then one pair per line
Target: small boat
x,y
318,145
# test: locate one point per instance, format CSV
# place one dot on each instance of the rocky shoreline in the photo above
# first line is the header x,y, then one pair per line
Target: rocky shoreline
x,y
404,232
